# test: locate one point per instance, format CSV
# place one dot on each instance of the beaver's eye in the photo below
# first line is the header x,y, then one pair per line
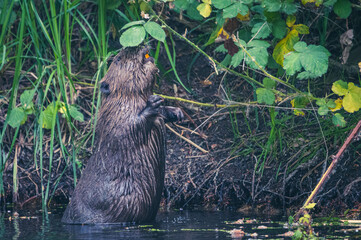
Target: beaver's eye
x,y
147,55
104,88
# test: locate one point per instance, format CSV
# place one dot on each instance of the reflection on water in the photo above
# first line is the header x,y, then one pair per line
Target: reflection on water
x,y
182,225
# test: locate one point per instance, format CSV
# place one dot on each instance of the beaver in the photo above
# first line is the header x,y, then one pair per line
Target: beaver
x,y
123,179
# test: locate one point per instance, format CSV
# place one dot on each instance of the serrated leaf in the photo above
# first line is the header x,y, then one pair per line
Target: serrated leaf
x,y
265,96
232,10
300,46
289,7
46,116
291,19
221,49
331,104
269,83
301,28
315,60
26,98
342,8
74,113
339,120
323,110
243,18
221,4
285,46
237,58
272,5
352,100
131,24
261,30
258,50
279,28
340,88
292,63
132,37
321,102
155,30
306,75
17,117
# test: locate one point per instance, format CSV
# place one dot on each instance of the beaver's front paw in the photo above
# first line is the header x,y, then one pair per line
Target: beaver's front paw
x,y
171,114
153,104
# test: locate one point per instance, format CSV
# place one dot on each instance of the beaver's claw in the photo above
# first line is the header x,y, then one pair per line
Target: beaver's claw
x,y
171,114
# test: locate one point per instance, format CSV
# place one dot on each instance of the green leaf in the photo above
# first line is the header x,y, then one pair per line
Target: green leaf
x,y
342,8
289,7
300,46
182,4
234,9
265,96
26,98
290,20
306,75
329,3
339,120
269,83
272,5
221,4
301,28
340,88
315,60
323,110
133,36
155,30
310,206
17,117
331,104
131,24
74,113
279,28
261,30
237,58
46,116
258,50
292,63
221,49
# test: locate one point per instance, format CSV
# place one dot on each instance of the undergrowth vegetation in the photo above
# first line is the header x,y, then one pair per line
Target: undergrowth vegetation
x,y
294,56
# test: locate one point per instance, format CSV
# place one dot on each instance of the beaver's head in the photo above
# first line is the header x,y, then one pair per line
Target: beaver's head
x,y
132,72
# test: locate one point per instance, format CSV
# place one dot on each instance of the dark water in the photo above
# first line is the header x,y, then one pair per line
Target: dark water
x,y
181,225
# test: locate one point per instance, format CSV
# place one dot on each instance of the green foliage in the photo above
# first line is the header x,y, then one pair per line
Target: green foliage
x,y
313,59
136,31
342,8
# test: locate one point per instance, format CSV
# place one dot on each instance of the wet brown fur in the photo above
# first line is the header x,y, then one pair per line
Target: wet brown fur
x,y
124,178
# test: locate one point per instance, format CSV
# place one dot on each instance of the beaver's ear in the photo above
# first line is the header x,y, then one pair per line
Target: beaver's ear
x,y
104,88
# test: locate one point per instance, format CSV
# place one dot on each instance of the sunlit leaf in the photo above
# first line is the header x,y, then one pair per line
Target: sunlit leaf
x,y
204,9
340,88
310,206
291,19
285,46
133,36
46,116
352,100
338,105
265,96
155,30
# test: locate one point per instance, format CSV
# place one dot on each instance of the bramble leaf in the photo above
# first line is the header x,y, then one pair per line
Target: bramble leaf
x,y
46,116
342,8
26,98
352,100
133,36
265,96
261,30
301,28
339,120
237,58
291,19
340,88
155,30
292,63
272,5
74,113
310,206
279,28
269,83
338,105
17,117
285,46
131,24
221,4
204,9
232,10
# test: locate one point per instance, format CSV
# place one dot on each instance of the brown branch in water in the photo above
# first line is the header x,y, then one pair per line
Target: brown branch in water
x,y
325,176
